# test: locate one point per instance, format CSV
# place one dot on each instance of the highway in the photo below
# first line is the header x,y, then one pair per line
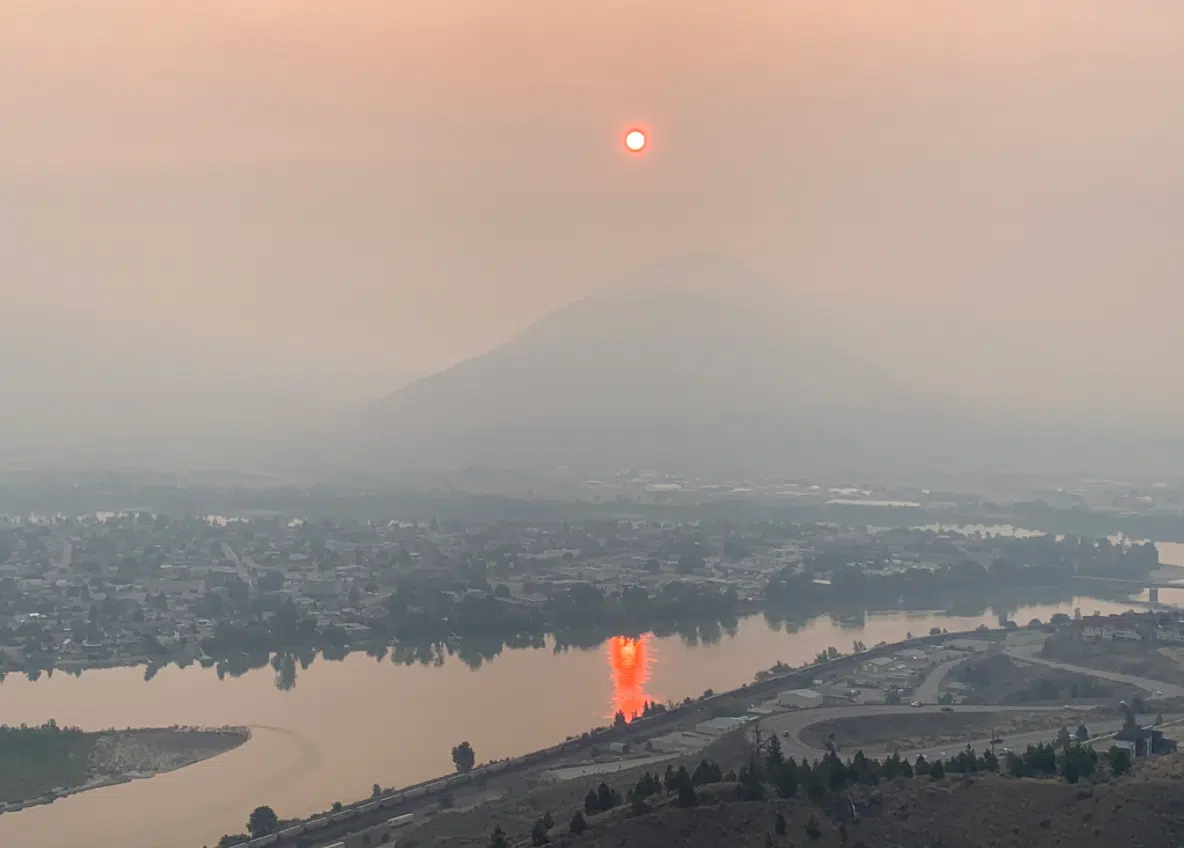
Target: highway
x,y
927,692
796,722
1155,687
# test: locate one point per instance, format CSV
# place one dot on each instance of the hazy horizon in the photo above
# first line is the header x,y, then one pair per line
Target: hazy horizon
x,y
308,206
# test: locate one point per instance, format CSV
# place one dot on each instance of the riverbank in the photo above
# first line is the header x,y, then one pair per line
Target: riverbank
x,y
299,760
47,763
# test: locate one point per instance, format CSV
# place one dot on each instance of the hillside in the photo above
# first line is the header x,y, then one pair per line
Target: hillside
x,y
1029,798
696,362
970,812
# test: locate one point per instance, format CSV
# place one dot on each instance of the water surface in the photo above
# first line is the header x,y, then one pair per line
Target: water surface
x,y
349,724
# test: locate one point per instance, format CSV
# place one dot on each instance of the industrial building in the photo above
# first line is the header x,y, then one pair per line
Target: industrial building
x,y
800,699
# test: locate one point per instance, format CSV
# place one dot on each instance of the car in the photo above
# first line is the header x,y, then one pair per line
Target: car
x,y
947,709
998,740
785,733
1158,691
915,704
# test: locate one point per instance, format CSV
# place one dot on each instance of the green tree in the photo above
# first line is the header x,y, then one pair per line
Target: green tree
x,y
578,824
538,834
773,757
606,797
591,803
780,826
1120,760
706,773
375,791
938,770
1064,739
1070,772
463,757
498,839
1082,733
1129,719
548,822
263,821
812,829
749,786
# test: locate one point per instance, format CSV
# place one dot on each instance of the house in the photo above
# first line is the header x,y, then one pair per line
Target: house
x,y
1143,741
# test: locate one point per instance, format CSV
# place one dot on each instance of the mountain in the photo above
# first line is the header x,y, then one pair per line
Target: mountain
x,y
696,362
79,394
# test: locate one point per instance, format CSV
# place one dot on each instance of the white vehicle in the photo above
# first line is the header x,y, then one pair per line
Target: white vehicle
x,y
915,704
399,821
1158,691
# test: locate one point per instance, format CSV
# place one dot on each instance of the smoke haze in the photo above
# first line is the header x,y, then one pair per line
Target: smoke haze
x,y
300,206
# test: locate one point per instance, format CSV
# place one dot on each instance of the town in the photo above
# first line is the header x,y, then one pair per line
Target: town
x,y
143,588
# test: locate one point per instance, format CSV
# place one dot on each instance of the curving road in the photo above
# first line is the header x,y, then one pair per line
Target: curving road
x,y
789,726
1155,687
794,723
927,692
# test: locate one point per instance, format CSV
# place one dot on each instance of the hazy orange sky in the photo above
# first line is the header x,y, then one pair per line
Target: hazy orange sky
x,y
984,194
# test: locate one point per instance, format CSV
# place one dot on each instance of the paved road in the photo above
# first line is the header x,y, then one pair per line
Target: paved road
x,y
927,692
796,722
244,564
1169,690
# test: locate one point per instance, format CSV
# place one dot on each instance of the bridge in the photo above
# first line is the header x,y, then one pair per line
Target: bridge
x,y
1153,586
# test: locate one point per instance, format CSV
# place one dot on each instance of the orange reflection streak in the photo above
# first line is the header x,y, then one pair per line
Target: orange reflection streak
x,y
630,662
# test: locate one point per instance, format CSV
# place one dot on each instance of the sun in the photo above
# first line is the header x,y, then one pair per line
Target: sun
x,y
635,141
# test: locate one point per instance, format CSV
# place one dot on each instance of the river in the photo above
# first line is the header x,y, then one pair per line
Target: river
x,y
348,724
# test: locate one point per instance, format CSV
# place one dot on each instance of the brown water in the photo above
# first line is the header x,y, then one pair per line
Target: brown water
x,y
347,725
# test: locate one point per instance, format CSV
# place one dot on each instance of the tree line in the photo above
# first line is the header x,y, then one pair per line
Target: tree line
x,y
768,769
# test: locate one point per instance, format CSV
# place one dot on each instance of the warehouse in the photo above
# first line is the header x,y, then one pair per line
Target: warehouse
x,y
800,699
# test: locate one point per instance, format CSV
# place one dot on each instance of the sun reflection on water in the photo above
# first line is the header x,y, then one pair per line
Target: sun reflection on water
x,y
630,660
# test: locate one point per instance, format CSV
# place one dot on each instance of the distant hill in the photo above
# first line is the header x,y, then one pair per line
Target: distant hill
x,y
692,363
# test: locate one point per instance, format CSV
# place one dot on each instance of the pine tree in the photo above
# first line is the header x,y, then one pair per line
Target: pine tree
x,y
812,829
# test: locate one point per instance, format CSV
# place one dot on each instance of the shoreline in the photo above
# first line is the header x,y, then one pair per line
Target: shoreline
x,y
129,743
599,633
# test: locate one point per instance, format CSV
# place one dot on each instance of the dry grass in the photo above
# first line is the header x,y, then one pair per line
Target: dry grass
x,y
910,731
987,812
1125,658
